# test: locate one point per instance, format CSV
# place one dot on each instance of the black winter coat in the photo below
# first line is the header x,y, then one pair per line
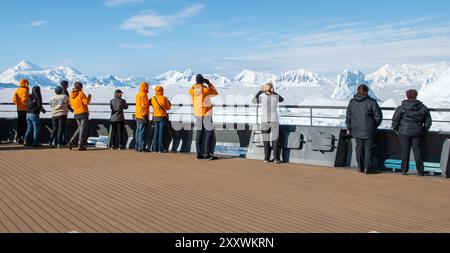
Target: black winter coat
x,y
364,116
34,105
118,105
412,118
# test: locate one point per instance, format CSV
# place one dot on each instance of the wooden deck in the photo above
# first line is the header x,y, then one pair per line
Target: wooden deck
x,y
123,191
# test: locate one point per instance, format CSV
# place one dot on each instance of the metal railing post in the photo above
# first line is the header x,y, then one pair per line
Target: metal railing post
x,y
311,116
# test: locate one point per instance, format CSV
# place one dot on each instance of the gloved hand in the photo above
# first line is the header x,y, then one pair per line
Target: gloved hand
x,y
207,82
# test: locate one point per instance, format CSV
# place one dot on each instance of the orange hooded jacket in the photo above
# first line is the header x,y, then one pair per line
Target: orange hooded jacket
x,y
142,103
201,99
79,102
22,95
160,103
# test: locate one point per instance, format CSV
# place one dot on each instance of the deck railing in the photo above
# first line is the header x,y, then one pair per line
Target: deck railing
x,y
250,113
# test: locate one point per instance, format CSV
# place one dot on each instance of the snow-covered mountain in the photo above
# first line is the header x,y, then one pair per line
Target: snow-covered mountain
x,y
187,78
344,84
407,74
249,78
37,76
299,78
437,93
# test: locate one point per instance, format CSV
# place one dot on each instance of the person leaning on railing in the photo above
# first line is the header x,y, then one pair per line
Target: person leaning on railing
x,y
412,120
79,102
364,116
203,112
142,118
20,99
161,105
270,123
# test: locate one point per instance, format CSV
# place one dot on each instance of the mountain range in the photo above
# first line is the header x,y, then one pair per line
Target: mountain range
x,y
343,85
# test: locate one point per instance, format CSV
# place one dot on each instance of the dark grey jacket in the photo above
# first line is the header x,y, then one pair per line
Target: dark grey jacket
x,y
364,116
412,118
118,105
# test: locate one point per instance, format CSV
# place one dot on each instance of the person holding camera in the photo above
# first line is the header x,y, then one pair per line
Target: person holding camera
x,y
201,94
142,117
270,123
412,120
79,103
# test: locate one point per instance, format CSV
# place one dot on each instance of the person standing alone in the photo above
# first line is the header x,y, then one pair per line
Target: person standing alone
x,y
20,99
118,105
364,116
270,123
412,120
203,112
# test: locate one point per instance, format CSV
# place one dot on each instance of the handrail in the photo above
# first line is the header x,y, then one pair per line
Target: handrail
x,y
254,113
318,107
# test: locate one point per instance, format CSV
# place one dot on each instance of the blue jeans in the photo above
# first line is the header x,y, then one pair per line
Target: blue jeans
x,y
141,134
158,136
33,128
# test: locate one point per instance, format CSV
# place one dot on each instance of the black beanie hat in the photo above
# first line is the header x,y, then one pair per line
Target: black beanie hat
x,y
59,90
200,79
64,84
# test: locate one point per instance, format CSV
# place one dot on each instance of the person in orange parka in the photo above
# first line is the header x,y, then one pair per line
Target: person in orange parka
x,y
79,103
142,117
203,112
161,105
20,99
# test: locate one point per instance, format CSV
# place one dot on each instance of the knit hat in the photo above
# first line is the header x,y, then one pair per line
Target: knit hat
x,y
58,90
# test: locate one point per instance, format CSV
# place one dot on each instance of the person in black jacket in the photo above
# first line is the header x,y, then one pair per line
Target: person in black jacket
x,y
412,120
118,105
364,116
34,108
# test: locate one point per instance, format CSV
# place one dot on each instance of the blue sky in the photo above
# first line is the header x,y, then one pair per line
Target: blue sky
x,y
148,37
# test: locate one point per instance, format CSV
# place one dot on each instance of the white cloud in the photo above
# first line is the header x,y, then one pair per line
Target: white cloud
x,y
149,23
353,46
135,46
118,3
37,23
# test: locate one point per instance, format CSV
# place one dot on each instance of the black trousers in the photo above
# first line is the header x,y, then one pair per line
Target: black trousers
x,y
414,142
116,136
21,125
59,125
366,155
204,131
271,139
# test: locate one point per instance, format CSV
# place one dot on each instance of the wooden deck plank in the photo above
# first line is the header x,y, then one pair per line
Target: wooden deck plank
x,y
107,191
